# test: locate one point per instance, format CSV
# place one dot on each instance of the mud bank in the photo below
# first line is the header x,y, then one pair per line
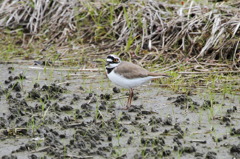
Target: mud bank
x,y
54,113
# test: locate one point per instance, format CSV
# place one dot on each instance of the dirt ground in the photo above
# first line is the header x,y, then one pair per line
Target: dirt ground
x,y
61,113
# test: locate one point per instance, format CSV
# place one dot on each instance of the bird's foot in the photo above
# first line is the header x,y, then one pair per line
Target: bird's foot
x,y
125,108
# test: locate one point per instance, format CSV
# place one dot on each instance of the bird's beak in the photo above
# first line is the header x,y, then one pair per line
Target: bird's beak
x,y
107,64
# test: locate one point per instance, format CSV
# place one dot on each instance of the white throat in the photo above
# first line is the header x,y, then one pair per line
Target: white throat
x,y
112,65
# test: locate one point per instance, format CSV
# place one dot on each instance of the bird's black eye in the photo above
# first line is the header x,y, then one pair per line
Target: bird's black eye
x,y
115,60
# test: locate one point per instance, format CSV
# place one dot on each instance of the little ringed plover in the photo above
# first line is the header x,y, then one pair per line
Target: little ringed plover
x,y
128,75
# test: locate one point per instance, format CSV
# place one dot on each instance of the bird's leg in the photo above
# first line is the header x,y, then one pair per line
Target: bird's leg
x,y
131,92
128,105
130,98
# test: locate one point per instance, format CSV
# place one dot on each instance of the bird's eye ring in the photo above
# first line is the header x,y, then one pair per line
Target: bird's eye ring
x,y
115,60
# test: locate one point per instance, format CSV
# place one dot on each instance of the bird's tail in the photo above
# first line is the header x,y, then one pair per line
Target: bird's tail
x,y
158,75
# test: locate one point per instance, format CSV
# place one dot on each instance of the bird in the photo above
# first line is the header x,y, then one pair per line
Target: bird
x,y
128,75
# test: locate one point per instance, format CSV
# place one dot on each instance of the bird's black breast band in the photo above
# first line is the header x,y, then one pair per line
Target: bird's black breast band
x,y
109,70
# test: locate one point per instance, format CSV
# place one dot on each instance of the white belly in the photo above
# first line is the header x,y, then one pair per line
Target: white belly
x,y
127,83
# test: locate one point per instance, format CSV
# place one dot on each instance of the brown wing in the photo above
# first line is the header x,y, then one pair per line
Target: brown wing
x,y
130,70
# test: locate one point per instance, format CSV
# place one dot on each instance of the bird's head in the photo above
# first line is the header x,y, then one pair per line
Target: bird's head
x,y
112,61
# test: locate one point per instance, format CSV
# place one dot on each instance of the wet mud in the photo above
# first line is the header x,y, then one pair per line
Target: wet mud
x,y
54,113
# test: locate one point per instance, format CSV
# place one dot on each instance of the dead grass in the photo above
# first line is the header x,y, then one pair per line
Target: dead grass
x,y
150,29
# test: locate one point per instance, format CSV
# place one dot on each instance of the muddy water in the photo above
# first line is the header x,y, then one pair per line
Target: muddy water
x,y
62,113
